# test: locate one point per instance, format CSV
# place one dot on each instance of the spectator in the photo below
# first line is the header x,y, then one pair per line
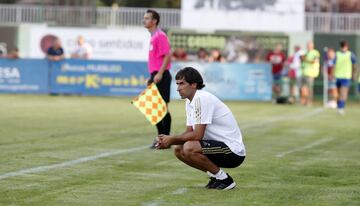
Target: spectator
x,y
3,50
83,50
179,54
216,56
13,54
344,69
332,90
311,70
294,73
277,59
202,55
55,52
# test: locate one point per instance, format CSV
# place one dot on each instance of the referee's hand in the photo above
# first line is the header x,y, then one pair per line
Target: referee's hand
x,y
157,78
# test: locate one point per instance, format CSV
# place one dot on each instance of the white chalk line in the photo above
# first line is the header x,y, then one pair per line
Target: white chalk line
x,y
309,146
71,162
159,199
179,191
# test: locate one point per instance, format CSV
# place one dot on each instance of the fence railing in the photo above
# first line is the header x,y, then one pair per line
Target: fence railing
x,y
125,16
84,16
333,22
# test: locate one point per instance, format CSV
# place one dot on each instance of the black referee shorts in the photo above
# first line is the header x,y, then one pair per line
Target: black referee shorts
x,y
220,154
163,85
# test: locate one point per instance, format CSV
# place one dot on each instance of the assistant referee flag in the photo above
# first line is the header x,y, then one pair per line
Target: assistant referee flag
x,y
151,104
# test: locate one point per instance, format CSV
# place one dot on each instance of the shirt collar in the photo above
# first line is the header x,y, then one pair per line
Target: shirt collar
x,y
155,31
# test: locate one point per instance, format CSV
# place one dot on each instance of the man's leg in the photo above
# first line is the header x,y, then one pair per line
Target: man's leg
x,y
164,126
191,154
344,90
179,153
311,91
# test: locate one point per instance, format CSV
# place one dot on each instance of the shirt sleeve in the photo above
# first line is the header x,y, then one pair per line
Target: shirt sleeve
x,y
188,115
334,60
353,58
163,45
203,111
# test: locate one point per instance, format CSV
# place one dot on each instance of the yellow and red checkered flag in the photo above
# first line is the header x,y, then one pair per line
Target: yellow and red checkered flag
x,y
151,104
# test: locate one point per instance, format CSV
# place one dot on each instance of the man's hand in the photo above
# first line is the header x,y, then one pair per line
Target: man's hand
x,y
164,142
158,77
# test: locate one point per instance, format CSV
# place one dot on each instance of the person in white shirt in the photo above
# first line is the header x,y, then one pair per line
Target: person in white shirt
x,y
83,50
212,138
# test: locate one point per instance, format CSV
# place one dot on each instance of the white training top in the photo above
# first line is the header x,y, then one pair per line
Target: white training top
x,y
221,125
82,50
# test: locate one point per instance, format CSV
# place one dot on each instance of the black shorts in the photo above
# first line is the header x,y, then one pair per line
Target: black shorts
x,y
220,154
163,85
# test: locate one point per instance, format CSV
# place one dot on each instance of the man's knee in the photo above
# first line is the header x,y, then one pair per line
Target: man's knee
x,y
191,147
178,151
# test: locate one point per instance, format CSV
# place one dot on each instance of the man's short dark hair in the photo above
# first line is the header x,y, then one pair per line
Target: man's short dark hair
x,y
191,76
155,15
343,43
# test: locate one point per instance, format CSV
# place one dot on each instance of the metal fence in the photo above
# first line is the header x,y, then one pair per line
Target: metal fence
x,y
170,18
333,22
83,16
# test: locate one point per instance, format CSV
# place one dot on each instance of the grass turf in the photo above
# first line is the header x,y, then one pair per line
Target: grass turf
x,y
295,155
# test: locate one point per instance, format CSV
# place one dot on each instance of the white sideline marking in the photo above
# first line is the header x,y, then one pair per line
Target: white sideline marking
x,y
316,143
155,203
179,191
70,163
158,200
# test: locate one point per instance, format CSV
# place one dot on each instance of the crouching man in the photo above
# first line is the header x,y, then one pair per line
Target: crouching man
x,y
212,139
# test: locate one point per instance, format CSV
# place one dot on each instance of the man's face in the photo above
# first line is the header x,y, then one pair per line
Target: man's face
x,y
310,45
57,43
148,21
185,89
80,41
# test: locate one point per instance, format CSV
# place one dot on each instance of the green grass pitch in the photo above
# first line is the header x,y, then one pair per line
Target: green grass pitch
x,y
69,150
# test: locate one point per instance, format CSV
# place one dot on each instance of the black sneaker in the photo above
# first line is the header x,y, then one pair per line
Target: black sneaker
x,y
226,184
212,180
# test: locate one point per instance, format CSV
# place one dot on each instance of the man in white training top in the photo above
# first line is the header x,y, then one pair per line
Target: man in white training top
x,y
212,138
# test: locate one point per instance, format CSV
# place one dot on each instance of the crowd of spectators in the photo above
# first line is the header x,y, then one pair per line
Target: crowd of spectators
x,y
342,6
300,69
12,54
82,51
202,55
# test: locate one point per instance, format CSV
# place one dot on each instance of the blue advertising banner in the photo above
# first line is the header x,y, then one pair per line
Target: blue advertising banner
x,y
24,76
93,77
231,81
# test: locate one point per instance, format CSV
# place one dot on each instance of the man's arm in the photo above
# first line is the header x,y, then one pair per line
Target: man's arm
x,y
166,62
166,141
355,71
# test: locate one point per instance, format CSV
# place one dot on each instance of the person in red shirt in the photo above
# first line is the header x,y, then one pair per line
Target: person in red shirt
x,y
179,54
277,59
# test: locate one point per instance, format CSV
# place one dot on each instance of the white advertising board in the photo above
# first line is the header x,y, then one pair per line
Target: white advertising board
x,y
129,44
244,15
